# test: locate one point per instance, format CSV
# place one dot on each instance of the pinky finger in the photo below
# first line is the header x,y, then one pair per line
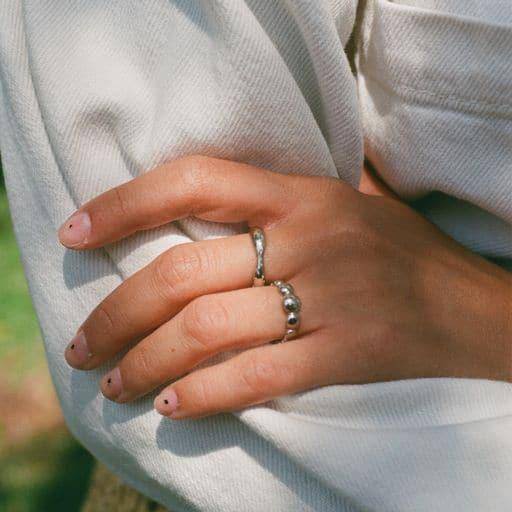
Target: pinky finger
x,y
252,377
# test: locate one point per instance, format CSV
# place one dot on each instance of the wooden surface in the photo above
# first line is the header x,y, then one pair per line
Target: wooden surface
x,y
108,494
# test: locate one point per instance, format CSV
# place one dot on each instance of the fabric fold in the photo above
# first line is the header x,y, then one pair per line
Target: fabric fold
x,y
94,94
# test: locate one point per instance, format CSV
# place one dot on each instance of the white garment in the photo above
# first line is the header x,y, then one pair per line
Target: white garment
x,y
94,93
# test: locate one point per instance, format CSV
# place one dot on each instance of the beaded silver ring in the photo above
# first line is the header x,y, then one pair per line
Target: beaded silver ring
x,y
291,306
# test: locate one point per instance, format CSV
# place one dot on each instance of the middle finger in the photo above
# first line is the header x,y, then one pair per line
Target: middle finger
x,y
160,290
210,324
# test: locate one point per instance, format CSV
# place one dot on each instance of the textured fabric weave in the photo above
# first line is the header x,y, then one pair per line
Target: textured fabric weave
x,y
436,103
94,93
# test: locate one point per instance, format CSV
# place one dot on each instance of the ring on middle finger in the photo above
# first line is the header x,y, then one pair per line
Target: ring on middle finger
x,y
258,239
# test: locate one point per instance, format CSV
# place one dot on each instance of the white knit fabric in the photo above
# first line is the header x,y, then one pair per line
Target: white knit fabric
x,y
94,93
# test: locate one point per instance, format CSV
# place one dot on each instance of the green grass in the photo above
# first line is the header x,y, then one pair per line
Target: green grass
x,y
47,474
48,471
19,334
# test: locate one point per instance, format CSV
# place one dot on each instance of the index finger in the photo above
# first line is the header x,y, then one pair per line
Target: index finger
x,y
207,188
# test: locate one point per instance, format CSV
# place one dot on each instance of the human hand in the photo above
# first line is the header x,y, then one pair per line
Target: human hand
x,y
385,295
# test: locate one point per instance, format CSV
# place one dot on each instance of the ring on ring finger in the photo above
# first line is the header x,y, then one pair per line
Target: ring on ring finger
x,y
291,306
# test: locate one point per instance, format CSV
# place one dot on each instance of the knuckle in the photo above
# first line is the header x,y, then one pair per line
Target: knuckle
x,y
334,188
358,225
201,397
331,195
205,320
197,161
121,200
138,366
260,375
382,341
195,174
177,267
104,320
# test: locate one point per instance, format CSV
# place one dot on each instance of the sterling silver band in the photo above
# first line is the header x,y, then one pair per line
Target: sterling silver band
x,y
291,306
258,239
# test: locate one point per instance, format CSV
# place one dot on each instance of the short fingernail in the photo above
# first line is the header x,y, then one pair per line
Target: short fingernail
x,y
166,403
76,230
77,352
112,384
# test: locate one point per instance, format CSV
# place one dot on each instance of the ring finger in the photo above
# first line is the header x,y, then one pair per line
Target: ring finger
x,y
207,326
157,292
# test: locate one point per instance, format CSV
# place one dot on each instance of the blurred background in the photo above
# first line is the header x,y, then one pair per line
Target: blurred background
x,y
42,468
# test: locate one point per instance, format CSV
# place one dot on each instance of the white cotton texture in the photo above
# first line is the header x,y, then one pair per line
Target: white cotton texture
x,y
95,93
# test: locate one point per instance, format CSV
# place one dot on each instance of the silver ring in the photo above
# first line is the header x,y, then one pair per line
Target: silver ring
x,y
291,306
258,239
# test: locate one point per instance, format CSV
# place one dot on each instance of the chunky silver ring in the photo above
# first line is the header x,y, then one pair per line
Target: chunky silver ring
x,y
258,239
291,306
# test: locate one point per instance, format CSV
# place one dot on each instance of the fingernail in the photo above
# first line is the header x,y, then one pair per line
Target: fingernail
x,y
112,384
77,352
75,230
166,402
